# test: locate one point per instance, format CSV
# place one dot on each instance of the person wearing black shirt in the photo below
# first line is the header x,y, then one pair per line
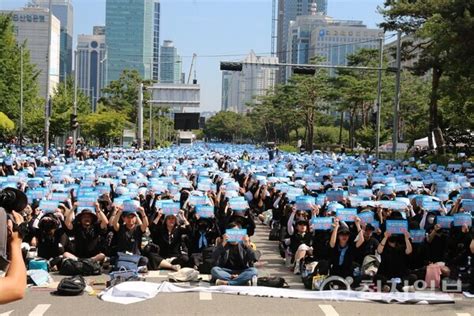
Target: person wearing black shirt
x,y
129,234
234,261
369,245
168,236
49,238
343,249
88,229
394,254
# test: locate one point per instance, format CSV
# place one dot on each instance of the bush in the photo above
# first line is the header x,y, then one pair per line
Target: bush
x,y
288,148
329,135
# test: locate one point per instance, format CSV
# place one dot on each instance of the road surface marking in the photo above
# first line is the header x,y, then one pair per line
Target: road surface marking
x,y
7,313
463,314
205,296
328,310
40,310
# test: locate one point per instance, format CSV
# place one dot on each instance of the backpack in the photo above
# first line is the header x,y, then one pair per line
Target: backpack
x,y
277,282
127,261
275,232
207,261
123,275
71,286
84,267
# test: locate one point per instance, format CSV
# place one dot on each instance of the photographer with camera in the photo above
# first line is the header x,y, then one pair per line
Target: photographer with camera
x,y
12,230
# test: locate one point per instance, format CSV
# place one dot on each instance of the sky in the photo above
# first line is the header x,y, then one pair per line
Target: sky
x,y
215,30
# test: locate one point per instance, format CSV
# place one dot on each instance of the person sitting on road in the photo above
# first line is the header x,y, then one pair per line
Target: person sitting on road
x,y
300,244
234,261
88,229
168,237
128,235
343,249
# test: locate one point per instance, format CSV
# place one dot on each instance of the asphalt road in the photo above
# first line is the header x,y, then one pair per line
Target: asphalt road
x,y
39,301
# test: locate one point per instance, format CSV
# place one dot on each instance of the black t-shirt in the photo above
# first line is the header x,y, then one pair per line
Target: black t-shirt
x,y
129,240
345,269
87,243
368,248
170,243
235,261
50,246
394,262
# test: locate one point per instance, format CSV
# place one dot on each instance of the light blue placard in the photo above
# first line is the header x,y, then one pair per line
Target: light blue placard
x,y
366,217
417,235
396,226
235,235
468,205
205,211
461,219
48,206
131,205
170,208
346,214
305,203
321,223
444,221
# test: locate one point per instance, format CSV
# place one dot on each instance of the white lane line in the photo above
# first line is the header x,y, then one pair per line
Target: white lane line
x,y
205,296
6,313
39,310
328,310
463,314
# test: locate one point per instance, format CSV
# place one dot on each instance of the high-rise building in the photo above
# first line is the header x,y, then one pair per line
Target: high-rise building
x,y
333,40
338,39
64,11
91,65
98,30
242,88
129,36
31,25
170,63
288,10
156,40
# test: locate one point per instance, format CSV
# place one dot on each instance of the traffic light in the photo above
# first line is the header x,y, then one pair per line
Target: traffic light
x,y
231,66
301,70
73,122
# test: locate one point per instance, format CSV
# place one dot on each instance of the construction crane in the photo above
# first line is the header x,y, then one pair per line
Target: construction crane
x,y
191,69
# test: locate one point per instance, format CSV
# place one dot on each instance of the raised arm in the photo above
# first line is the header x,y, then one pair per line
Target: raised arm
x,y
333,240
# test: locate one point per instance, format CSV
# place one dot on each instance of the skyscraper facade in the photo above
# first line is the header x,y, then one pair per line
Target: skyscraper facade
x,y
170,63
156,40
64,11
288,10
31,26
91,65
129,35
242,87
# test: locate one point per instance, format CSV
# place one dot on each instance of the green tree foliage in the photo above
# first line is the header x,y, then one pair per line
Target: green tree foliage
x,y
6,126
10,78
121,95
62,107
228,126
105,126
444,42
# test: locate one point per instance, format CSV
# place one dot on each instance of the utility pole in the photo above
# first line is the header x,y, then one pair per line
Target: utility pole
x,y
48,101
379,100
396,105
21,96
74,109
140,116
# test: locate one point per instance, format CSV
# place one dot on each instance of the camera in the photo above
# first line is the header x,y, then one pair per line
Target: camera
x,y
14,200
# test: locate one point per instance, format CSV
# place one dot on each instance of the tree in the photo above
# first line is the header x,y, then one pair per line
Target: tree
x,y
444,40
62,107
10,77
228,126
121,95
312,93
6,126
105,126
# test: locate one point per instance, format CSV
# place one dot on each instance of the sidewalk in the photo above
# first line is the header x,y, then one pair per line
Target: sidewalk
x,y
274,264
